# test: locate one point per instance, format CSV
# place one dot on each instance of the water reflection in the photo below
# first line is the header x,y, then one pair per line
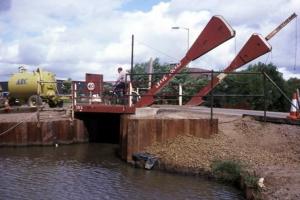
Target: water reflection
x,y
92,171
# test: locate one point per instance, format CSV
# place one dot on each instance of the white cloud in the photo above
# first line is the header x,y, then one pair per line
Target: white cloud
x,y
289,73
71,37
9,52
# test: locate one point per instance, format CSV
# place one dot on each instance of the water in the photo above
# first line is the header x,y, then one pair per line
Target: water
x,y
93,171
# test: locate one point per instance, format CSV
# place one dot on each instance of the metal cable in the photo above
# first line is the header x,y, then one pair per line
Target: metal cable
x,y
16,125
150,47
267,57
235,53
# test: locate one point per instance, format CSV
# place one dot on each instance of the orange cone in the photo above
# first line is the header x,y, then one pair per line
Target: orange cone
x,y
294,108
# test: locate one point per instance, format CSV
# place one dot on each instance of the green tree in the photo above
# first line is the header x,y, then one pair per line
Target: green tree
x,y
252,84
169,93
291,85
66,86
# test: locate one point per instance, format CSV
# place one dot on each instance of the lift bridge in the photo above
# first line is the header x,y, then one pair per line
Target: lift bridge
x,y
90,96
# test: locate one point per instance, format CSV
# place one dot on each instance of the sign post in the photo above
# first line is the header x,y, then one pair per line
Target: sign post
x,y
91,88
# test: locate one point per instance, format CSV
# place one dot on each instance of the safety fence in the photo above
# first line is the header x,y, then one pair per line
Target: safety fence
x,y
229,92
237,90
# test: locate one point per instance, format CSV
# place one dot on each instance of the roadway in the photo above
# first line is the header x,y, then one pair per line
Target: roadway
x,y
224,111
240,112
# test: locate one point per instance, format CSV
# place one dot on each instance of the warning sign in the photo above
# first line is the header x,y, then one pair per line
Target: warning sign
x,y
91,86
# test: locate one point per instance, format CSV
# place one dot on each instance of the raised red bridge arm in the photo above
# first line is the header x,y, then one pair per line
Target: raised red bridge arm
x,y
256,46
216,32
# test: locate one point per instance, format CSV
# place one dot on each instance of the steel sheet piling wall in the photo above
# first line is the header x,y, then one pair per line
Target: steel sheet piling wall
x,y
137,134
49,132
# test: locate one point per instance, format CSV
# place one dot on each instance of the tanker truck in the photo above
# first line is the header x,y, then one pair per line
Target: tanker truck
x,y
34,88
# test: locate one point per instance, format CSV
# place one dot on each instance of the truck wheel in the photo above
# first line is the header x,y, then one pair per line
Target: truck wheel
x,y
34,100
60,104
12,101
51,104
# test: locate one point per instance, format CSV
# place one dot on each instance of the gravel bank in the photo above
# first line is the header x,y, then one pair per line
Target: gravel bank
x,y
271,150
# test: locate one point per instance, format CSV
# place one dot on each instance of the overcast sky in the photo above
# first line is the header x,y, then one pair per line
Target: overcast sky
x,y
74,37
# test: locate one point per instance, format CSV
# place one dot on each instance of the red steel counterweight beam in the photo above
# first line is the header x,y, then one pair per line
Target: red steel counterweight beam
x,y
216,32
256,46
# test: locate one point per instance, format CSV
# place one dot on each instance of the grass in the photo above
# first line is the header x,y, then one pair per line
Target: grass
x,y
228,171
251,180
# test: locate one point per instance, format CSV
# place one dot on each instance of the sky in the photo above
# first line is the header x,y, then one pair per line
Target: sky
x,y
74,37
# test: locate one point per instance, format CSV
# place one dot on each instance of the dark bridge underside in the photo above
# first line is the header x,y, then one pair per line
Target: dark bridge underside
x,y
102,127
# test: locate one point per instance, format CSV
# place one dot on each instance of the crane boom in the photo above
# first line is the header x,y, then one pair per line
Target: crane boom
x,y
256,46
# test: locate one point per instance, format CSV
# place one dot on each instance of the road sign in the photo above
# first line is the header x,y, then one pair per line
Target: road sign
x,y
91,86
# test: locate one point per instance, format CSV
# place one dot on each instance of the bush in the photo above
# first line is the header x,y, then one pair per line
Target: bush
x,y
228,171
251,180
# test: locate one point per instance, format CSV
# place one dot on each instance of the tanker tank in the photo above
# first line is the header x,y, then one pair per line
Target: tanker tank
x,y
33,87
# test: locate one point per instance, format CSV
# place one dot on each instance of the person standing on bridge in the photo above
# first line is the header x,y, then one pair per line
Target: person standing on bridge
x,y
120,83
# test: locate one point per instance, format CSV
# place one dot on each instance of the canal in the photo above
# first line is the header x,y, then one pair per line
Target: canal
x,y
93,171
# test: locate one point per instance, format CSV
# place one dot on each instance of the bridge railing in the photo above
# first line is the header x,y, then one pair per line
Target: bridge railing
x,y
187,85
108,96
173,93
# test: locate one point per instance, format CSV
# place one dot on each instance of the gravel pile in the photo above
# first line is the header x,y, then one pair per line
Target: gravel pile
x,y
260,147
246,144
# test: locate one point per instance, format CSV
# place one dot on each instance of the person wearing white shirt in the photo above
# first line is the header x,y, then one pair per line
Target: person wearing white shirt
x,y
120,83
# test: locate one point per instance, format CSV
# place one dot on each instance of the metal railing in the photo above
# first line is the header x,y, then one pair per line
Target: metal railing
x,y
139,86
208,76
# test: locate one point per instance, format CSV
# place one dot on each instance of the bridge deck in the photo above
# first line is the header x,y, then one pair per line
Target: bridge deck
x,y
102,108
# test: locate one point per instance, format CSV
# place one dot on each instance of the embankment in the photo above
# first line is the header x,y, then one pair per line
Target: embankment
x,y
266,150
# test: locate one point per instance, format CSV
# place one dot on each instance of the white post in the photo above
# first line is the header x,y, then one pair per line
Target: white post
x,y
298,97
90,99
150,71
38,103
73,100
130,95
180,94
75,94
